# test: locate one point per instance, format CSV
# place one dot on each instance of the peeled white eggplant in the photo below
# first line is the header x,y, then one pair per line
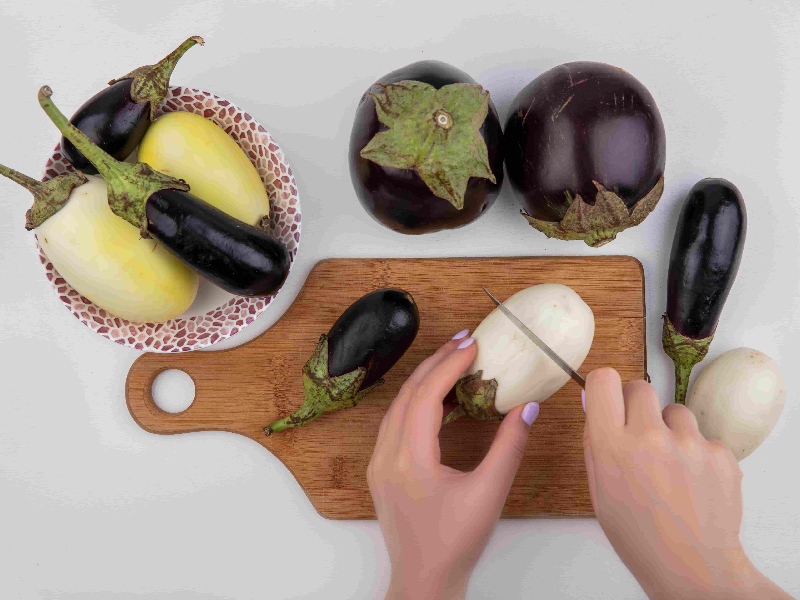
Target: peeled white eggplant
x,y
104,258
738,399
509,369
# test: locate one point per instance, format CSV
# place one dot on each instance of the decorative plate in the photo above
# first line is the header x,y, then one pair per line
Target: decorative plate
x,y
215,315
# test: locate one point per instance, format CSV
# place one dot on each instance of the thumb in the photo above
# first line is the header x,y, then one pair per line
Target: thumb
x,y
500,465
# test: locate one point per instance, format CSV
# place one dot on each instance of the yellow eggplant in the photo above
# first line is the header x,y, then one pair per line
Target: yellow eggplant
x,y
189,147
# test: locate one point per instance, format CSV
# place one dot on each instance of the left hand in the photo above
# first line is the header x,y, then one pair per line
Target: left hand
x,y
437,520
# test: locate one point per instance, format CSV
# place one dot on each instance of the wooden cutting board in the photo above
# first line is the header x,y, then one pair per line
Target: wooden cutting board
x,y
244,389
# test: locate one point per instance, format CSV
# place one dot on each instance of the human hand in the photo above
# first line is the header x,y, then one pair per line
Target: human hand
x,y
669,501
437,520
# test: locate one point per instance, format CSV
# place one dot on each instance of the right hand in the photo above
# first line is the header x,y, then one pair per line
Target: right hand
x,y
669,501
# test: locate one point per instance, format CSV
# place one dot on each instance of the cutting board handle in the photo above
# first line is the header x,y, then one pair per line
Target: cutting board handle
x,y
201,415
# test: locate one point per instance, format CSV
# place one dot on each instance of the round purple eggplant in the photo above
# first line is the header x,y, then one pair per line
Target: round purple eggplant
x,y
585,150
348,363
240,258
706,253
426,149
116,118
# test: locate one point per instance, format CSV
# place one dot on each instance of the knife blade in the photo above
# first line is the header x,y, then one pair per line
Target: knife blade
x,y
538,341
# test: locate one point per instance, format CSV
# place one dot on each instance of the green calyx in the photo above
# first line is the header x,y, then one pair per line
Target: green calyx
x,y
599,223
323,393
433,132
685,353
48,197
475,399
151,82
129,184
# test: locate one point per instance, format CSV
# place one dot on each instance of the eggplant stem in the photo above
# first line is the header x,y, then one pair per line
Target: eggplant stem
x,y
682,373
151,82
166,65
29,183
305,414
685,352
454,414
323,393
48,196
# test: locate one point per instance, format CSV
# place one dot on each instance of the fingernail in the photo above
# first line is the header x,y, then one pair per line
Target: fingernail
x,y
461,334
583,399
530,412
465,344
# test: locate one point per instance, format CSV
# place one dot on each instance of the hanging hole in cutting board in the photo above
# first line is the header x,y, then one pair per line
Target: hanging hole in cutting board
x,y
173,391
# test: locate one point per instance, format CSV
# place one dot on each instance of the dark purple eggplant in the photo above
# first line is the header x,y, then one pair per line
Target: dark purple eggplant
x,y
238,257
442,173
706,253
348,363
117,118
585,150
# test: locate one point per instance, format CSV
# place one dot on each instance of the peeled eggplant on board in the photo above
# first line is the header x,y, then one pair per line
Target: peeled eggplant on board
x,y
509,369
349,362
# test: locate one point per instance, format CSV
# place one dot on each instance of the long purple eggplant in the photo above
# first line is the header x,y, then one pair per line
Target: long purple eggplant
x,y
706,253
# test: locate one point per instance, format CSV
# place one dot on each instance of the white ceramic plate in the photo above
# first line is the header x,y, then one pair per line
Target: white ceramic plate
x,y
215,314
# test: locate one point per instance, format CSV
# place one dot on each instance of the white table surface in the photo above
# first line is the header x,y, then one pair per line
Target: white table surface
x,y
91,506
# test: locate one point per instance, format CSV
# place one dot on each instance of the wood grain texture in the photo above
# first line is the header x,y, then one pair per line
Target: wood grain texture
x,y
243,389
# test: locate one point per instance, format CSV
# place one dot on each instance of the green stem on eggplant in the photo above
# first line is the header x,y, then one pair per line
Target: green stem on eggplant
x,y
454,414
435,132
685,352
323,393
476,398
129,184
151,82
48,197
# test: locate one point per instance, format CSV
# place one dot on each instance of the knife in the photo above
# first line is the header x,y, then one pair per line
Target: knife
x,y
538,341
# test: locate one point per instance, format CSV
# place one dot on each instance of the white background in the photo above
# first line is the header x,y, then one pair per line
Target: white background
x,y
91,506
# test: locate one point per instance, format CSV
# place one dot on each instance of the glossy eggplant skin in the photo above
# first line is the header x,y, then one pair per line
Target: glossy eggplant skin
x,y
398,198
578,123
706,253
240,258
374,332
113,121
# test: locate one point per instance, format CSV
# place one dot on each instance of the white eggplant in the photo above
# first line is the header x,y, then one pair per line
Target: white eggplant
x,y
106,260
102,256
738,399
509,369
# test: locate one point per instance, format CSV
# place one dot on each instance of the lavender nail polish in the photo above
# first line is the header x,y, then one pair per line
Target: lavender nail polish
x,y
461,334
466,343
530,412
583,399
